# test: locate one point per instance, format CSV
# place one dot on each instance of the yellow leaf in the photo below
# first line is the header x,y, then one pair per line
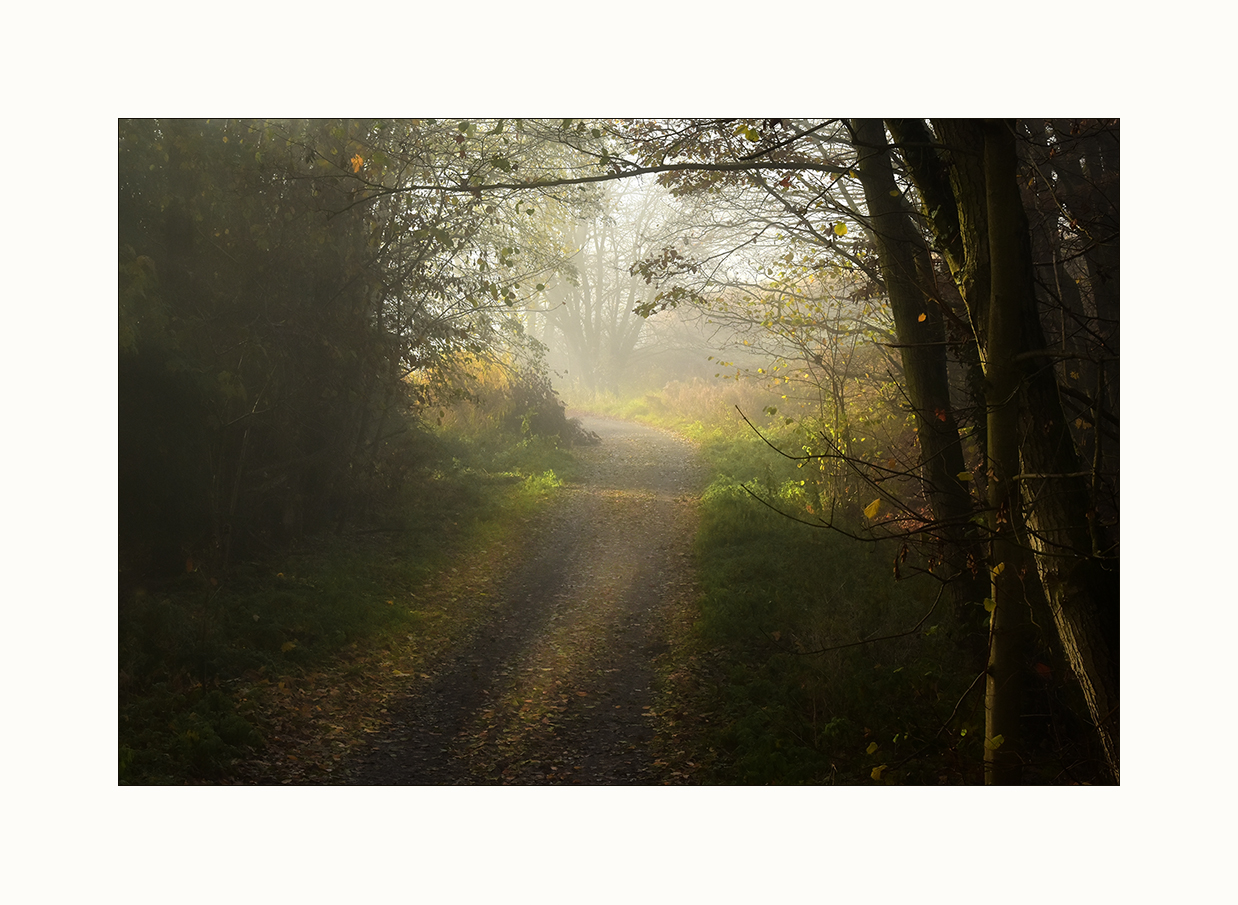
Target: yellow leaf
x,y
357,161
390,603
877,771
872,746
870,511
989,604
995,742
287,646
840,229
922,318
999,569
964,475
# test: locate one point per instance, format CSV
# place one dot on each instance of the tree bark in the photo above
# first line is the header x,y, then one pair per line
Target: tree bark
x,y
1081,590
919,327
966,256
963,142
1007,243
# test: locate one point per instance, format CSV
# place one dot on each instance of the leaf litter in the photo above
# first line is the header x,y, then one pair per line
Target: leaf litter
x,y
574,668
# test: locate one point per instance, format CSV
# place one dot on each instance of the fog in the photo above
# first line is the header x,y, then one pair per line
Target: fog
x,y
351,353
672,297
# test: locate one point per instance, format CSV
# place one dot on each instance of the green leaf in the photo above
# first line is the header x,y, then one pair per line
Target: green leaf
x,y
995,742
989,604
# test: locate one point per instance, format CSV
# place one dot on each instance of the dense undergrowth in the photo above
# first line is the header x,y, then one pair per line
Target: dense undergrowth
x,y
777,595
198,653
781,601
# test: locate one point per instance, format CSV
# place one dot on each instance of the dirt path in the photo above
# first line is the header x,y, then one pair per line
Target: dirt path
x,y
556,688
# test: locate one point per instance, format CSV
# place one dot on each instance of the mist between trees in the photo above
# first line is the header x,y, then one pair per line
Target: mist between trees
x,y
920,317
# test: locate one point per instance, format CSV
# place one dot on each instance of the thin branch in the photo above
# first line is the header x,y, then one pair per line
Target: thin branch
x,y
631,170
942,729
786,141
911,631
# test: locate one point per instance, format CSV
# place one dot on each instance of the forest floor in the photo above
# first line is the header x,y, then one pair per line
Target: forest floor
x,y
573,670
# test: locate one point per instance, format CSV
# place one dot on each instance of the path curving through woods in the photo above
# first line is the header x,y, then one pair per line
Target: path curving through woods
x,y
556,686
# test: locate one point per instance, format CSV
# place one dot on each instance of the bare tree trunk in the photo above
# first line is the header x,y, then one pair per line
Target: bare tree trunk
x,y
1007,243
961,235
1082,592
919,323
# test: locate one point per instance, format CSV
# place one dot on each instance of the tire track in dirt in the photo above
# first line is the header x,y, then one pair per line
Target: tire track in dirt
x,y
555,687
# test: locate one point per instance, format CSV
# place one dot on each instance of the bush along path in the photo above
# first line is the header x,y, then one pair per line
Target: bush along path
x,y
569,678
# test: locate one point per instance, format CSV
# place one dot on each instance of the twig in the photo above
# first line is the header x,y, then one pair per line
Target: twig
x,y
936,734
911,631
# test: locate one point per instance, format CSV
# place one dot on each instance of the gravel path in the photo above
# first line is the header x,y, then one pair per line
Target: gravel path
x,y
556,687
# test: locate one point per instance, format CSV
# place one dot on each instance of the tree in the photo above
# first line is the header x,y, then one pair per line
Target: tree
x,y
1029,444
967,181
276,293
920,315
282,282
593,303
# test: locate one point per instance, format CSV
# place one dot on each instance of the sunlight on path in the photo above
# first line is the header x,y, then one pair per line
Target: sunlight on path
x,y
557,687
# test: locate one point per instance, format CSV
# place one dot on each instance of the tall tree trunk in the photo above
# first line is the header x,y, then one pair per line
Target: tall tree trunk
x,y
1082,592
919,327
1008,626
956,230
963,140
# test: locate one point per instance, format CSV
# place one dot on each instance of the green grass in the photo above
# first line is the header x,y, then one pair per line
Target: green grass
x,y
185,648
775,592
